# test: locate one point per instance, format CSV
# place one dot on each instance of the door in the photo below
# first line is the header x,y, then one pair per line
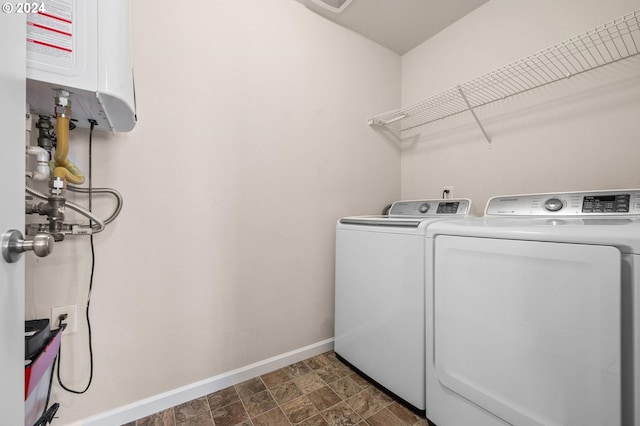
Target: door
x,y
12,275
530,331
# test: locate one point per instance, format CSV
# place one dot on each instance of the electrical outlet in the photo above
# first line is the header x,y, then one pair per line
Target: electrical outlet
x,y
447,191
71,320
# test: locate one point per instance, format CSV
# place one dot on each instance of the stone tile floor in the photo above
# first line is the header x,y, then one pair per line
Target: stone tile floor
x,y
319,391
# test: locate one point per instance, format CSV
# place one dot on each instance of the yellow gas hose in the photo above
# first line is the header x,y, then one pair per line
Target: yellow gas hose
x,y
62,167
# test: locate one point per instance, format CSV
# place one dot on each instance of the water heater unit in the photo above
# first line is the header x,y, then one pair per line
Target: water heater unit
x,y
82,46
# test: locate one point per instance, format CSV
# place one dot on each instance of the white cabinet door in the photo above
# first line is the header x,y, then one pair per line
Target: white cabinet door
x,y
12,136
530,331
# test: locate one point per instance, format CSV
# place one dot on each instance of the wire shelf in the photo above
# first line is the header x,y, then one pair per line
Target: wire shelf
x,y
603,45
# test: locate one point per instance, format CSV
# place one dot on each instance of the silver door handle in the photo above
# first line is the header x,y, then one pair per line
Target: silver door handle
x,y
14,244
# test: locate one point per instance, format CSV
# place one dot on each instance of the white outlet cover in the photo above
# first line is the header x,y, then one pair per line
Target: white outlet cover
x,y
72,318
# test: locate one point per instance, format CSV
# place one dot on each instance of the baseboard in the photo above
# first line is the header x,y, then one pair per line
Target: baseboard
x,y
145,407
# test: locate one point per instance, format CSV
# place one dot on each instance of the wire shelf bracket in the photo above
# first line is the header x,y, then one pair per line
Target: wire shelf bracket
x,y
608,43
475,117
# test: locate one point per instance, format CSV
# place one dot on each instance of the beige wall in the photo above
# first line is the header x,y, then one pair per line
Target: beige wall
x,y
251,142
577,134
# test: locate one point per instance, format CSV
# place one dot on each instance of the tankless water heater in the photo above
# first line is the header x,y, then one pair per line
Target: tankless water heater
x,y
82,46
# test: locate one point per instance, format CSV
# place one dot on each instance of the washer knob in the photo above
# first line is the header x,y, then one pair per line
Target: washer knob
x,y
553,204
423,208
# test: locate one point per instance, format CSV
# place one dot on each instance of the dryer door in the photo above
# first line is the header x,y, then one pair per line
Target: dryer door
x,y
529,331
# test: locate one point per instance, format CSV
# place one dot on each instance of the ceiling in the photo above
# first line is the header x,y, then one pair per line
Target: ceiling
x,y
399,25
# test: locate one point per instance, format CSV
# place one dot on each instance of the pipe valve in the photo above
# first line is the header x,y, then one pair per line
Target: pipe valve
x,y
63,103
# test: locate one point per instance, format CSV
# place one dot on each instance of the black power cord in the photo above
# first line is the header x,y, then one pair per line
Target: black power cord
x,y
48,415
93,265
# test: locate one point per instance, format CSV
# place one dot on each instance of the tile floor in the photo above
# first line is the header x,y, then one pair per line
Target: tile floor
x,y
319,391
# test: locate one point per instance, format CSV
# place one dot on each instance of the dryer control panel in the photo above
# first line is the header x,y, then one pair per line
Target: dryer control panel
x,y
428,208
584,203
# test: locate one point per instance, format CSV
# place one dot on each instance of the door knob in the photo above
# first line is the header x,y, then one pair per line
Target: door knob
x,y
14,244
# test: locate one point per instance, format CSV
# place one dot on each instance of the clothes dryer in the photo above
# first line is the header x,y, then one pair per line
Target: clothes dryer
x,y
533,312
379,293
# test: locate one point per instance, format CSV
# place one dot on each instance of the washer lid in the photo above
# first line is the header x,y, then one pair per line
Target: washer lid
x,y
411,213
381,221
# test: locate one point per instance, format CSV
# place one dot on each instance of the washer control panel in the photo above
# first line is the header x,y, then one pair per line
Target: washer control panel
x,y
427,208
584,203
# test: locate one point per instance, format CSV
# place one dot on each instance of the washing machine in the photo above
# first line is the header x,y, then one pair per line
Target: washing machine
x,y
533,312
379,293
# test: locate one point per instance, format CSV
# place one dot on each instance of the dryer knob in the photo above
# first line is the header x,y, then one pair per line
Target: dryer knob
x,y
423,208
553,204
